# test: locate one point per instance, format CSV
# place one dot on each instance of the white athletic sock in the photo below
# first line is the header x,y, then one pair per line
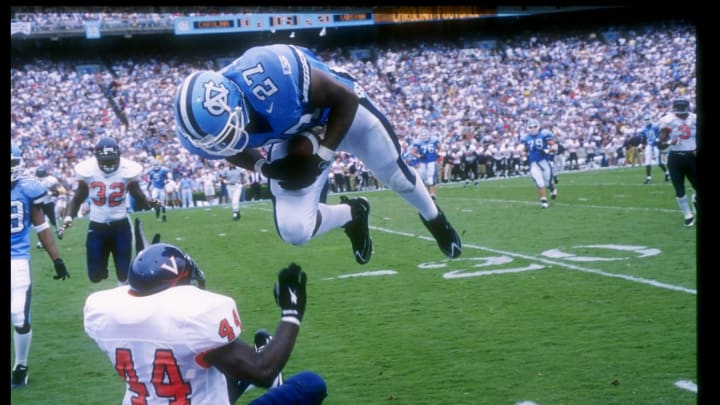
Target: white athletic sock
x,y
333,216
22,347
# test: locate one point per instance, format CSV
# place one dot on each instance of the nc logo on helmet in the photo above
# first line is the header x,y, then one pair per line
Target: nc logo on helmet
x,y
216,98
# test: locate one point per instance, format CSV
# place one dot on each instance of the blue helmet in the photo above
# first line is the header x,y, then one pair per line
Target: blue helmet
x,y
107,153
681,105
161,266
41,172
211,114
16,162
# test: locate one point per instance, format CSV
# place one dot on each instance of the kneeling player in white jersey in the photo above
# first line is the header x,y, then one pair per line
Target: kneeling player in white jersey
x,y
170,340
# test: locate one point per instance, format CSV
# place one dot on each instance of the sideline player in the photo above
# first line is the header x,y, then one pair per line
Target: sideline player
x,y
678,133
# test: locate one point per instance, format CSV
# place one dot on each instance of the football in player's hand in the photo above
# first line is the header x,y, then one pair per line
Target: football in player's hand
x,y
300,145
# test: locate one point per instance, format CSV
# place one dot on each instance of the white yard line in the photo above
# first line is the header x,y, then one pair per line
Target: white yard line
x,y
687,385
556,263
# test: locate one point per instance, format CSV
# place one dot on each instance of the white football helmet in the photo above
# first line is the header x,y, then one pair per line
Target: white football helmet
x,y
424,134
210,113
533,126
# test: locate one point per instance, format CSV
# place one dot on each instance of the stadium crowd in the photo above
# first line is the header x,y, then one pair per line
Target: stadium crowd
x,y
591,91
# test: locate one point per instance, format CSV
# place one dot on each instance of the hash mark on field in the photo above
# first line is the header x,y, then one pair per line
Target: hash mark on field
x,y
686,385
570,266
365,274
608,207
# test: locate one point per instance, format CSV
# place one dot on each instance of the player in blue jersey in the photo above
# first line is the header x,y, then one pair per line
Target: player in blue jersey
x,y
158,176
540,145
27,197
425,148
650,137
283,98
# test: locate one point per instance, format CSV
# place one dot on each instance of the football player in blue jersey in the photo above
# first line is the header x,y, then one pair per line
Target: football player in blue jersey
x,y
283,98
27,197
425,148
540,146
158,176
650,138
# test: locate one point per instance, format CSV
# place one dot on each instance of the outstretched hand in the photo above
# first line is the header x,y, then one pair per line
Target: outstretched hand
x,y
290,293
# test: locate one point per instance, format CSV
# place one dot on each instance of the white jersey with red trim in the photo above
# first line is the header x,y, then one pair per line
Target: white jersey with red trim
x,y
682,132
107,192
156,342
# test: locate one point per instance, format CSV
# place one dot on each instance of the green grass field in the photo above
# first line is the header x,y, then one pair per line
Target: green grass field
x,y
591,301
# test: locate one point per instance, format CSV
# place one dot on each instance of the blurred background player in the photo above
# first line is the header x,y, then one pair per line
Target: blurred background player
x,y
158,176
236,179
678,133
539,146
27,197
107,178
425,148
51,207
649,139
470,163
197,356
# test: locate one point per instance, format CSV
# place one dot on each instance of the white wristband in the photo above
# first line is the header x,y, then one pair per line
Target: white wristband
x,y
39,228
326,154
258,165
290,319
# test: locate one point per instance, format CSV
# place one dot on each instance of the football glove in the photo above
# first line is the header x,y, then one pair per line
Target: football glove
x,y
289,293
60,270
294,172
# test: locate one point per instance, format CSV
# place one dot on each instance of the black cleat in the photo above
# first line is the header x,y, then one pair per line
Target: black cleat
x,y
236,216
689,222
357,228
647,181
60,233
667,177
447,239
19,376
